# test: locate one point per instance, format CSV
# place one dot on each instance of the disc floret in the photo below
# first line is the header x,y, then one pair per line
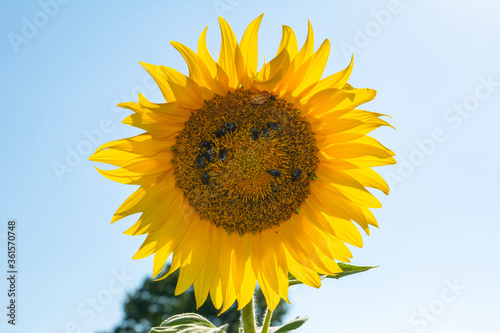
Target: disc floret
x,y
245,166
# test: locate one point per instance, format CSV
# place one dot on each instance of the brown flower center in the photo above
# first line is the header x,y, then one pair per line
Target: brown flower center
x,y
245,166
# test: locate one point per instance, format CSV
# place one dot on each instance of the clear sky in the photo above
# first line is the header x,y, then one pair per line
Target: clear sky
x,y
435,65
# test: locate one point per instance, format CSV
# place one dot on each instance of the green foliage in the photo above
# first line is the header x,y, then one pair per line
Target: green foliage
x,y
155,302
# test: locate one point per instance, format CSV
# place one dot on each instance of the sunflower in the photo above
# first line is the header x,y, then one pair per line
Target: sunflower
x,y
246,175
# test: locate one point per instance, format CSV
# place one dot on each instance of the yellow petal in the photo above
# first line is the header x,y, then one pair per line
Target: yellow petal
x,y
288,42
297,58
267,260
116,157
125,176
338,248
346,210
216,77
159,127
173,267
345,230
197,69
302,247
368,177
243,275
168,204
194,253
268,85
306,274
216,292
310,71
248,47
227,285
346,186
277,65
362,146
142,144
172,229
142,198
161,257
160,78
271,296
187,93
171,232
209,274
230,54
329,100
307,49
334,81
315,236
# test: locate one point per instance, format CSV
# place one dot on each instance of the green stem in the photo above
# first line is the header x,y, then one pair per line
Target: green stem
x,y
267,321
248,318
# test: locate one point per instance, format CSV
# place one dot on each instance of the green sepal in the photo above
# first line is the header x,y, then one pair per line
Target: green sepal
x,y
346,270
290,326
188,323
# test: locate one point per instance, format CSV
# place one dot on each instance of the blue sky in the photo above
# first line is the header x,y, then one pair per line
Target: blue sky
x,y
434,64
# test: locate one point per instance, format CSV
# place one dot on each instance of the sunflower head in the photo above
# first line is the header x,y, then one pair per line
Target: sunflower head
x,y
248,175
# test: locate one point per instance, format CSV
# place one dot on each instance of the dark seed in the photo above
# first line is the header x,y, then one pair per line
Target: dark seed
x,y
204,144
200,161
210,155
265,131
274,126
230,126
274,172
220,132
222,155
255,133
296,174
272,98
204,178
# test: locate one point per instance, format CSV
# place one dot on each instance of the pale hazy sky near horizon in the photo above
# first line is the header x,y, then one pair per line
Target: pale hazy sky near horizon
x,y
435,65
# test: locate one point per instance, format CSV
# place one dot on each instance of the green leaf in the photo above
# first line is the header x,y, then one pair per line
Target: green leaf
x,y
290,326
187,318
190,328
349,270
188,323
346,270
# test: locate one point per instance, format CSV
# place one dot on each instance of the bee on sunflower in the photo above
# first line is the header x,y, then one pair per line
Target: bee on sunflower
x,y
247,175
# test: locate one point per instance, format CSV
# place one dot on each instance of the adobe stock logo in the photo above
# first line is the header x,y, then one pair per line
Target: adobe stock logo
x,y
93,306
422,319
30,27
381,19
455,116
84,148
